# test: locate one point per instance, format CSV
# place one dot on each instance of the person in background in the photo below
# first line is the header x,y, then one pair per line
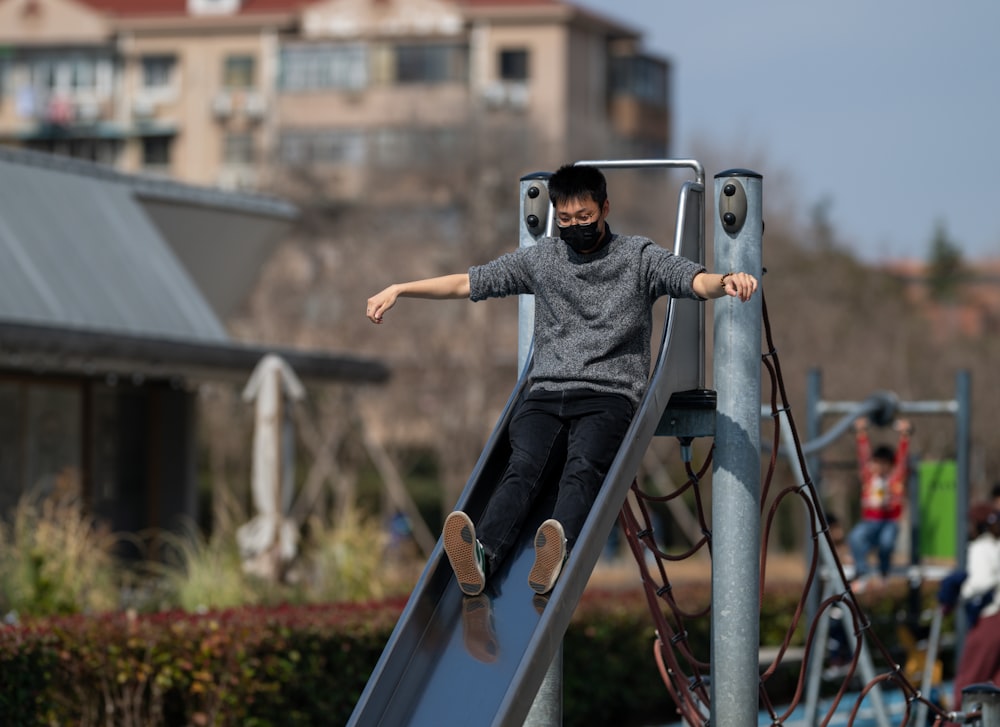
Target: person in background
x,y
980,594
883,475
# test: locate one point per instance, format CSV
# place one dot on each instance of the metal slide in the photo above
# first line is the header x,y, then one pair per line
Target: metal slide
x,y
441,665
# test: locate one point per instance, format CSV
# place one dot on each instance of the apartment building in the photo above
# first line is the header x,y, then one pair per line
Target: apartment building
x,y
236,93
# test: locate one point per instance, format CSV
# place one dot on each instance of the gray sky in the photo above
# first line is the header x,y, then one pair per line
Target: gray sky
x,y
887,109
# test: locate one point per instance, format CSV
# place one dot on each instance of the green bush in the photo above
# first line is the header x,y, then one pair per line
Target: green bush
x,y
247,666
345,561
56,560
290,665
609,675
202,572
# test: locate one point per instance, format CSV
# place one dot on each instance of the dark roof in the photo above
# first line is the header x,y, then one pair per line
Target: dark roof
x,y
154,187
78,251
90,284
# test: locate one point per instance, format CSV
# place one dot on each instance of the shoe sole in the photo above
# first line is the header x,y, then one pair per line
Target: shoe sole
x,y
459,545
549,556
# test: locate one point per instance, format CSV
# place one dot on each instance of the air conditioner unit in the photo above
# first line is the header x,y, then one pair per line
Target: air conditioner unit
x,y
143,107
494,94
88,112
213,7
506,95
517,95
222,105
236,178
255,106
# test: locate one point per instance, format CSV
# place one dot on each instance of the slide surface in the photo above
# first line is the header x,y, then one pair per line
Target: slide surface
x,y
455,660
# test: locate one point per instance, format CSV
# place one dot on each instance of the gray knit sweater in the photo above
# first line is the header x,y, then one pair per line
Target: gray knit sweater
x,y
593,313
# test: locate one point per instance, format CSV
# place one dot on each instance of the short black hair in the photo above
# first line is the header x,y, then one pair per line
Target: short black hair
x,y
885,453
576,181
995,492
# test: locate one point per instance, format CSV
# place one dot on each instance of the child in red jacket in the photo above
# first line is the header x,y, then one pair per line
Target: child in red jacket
x,y
883,475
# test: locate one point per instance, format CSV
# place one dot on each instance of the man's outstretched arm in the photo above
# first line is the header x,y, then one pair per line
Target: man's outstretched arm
x,y
443,287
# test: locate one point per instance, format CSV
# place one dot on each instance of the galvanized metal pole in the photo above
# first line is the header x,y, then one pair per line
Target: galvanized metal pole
x,y
986,698
963,428
546,710
534,223
736,470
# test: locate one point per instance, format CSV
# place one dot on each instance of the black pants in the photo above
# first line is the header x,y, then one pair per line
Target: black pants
x,y
570,435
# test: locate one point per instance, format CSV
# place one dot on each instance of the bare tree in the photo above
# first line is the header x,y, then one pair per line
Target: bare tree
x,y
453,203
449,203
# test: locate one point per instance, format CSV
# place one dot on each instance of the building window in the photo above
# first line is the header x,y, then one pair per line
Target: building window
x,y
514,64
238,72
313,67
70,74
11,445
102,151
402,147
157,71
156,152
293,149
299,148
431,63
40,440
4,70
641,77
83,74
53,437
239,150
107,152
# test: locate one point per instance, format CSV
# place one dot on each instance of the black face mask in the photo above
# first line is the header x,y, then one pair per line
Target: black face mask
x,y
581,237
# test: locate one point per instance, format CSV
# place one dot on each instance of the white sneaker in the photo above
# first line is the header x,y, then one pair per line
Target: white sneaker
x,y
465,553
550,554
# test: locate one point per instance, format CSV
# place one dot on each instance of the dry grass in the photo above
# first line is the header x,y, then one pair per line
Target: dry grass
x,y
56,559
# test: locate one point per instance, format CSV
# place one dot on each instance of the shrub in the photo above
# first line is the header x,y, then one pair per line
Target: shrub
x,y
247,666
306,665
203,572
56,560
347,562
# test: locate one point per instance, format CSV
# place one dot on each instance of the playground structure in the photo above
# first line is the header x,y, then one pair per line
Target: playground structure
x,y
881,408
428,675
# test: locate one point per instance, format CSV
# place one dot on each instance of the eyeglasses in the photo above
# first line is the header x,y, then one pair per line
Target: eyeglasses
x,y
581,218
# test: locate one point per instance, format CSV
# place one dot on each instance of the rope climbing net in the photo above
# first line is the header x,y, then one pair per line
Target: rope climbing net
x,y
684,672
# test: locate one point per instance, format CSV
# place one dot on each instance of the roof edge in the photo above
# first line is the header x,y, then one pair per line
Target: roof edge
x,y
154,187
37,349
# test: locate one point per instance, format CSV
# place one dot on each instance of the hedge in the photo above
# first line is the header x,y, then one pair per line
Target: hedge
x,y
304,665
